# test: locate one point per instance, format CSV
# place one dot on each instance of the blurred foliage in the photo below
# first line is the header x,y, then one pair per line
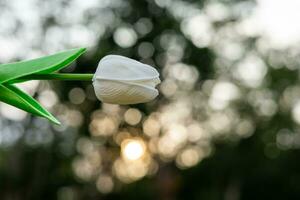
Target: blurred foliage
x,y
226,125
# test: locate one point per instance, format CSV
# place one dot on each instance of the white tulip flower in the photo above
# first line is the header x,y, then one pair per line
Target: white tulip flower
x,y
121,80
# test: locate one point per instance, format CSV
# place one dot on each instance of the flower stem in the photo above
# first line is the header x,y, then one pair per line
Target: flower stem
x,y
57,76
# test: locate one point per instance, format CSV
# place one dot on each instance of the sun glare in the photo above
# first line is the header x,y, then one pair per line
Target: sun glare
x,y
133,149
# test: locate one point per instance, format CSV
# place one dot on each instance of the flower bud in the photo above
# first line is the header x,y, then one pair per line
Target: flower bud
x,y
121,80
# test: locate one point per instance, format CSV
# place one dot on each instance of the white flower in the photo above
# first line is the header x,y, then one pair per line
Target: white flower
x,y
121,80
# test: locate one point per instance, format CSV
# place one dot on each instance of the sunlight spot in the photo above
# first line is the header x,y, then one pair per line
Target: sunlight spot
x,y
133,149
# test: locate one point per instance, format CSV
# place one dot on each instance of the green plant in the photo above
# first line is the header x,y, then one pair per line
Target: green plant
x,y
40,68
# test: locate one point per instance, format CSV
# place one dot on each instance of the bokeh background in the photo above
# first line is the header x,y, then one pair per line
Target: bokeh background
x,y
226,123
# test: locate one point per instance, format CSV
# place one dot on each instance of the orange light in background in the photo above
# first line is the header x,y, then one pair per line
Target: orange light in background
x,y
105,183
133,149
151,127
189,157
103,126
133,116
196,132
121,136
131,171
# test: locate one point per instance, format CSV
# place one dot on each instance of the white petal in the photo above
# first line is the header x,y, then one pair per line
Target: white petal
x,y
123,68
118,92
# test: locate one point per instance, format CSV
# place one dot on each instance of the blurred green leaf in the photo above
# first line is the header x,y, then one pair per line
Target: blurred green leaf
x,y
43,65
12,95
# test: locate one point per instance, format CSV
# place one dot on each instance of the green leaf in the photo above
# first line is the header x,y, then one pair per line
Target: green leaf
x,y
12,95
43,65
